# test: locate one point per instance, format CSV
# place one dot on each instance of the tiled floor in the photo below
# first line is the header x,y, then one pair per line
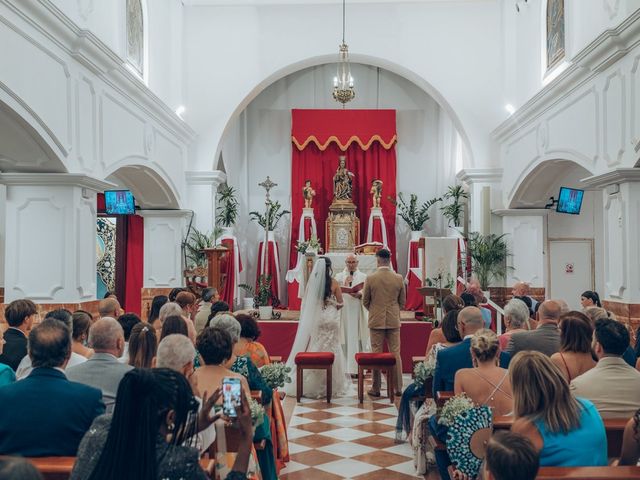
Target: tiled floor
x,y
346,440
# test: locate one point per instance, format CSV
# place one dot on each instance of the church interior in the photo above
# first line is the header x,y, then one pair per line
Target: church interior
x,y
229,156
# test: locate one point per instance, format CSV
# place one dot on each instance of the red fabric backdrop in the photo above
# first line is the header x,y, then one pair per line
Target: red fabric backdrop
x,y
353,130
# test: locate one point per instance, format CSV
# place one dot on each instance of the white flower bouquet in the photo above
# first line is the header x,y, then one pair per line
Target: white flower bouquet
x,y
454,407
422,372
276,375
257,412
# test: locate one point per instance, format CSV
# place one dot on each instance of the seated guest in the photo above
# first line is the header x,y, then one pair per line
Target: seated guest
x,y
152,446
174,324
109,307
173,294
486,383
545,338
521,289
590,299
574,357
451,337
127,322
20,315
81,322
597,313
48,414
156,304
612,385
176,352
187,302
64,315
247,345
209,296
103,370
17,468
217,308
567,431
564,306
449,303
510,456
452,359
143,346
516,318
7,375
173,309
630,454
473,288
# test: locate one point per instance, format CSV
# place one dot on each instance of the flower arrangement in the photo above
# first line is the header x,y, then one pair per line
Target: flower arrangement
x,y
454,407
422,372
313,243
276,375
257,412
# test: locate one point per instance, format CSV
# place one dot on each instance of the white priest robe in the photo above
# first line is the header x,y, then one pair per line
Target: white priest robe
x,y
355,330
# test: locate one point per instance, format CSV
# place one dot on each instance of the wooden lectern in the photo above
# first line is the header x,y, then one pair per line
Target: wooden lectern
x,y
214,259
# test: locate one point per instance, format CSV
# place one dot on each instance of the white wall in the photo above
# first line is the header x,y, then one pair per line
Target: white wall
x,y
259,144
451,48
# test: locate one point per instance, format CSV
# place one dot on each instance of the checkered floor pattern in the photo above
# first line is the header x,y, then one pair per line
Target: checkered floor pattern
x,y
346,440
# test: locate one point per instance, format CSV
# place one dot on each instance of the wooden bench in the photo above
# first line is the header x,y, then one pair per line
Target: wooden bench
x,y
414,362
442,397
588,473
613,426
59,468
275,359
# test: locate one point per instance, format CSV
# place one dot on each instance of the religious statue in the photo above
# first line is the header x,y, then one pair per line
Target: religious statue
x,y
342,181
308,193
376,192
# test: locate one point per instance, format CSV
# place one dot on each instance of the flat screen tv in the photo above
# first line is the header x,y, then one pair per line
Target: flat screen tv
x,y
119,202
570,200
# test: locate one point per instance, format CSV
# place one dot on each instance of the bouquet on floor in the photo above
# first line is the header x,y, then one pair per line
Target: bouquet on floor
x,y
276,375
257,412
455,406
422,372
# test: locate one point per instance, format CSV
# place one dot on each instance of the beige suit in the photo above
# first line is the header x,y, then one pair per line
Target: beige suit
x,y
612,385
384,295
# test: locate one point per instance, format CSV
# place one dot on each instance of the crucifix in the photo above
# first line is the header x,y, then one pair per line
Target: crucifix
x,y
267,185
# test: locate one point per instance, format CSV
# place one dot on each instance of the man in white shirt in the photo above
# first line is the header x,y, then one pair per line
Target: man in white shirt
x,y
355,332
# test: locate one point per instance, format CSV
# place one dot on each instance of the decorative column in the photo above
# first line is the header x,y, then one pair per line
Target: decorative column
x,y
164,232
202,187
50,238
526,237
621,205
485,195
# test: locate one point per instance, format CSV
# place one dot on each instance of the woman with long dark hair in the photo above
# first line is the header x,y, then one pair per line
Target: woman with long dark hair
x,y
145,437
156,304
590,299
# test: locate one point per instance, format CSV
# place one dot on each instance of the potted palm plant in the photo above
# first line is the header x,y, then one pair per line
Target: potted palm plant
x,y
262,296
195,245
454,210
489,255
272,217
227,209
413,214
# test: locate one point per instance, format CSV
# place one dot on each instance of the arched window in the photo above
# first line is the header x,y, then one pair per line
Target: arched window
x,y
555,32
135,36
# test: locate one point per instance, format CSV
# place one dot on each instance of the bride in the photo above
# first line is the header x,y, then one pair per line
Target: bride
x,y
319,330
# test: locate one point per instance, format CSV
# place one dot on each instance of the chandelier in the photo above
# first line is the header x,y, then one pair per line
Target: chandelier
x,y
343,91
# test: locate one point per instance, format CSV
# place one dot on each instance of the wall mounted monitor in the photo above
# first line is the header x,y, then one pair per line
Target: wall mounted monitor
x,y
119,202
570,200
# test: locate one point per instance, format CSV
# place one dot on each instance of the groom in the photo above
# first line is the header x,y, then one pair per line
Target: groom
x,y
384,296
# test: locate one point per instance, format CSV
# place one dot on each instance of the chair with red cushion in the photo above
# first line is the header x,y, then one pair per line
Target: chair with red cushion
x,y
313,361
376,361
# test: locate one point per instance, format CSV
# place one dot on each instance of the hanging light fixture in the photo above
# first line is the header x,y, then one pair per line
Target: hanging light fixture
x,y
343,91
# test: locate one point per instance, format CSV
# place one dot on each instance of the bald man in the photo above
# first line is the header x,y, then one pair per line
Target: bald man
x,y
521,289
355,331
545,338
109,307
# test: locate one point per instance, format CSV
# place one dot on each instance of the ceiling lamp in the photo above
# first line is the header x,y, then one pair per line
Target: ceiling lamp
x,y
343,91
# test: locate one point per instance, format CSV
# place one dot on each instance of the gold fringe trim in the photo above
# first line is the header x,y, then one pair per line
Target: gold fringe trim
x,y
333,138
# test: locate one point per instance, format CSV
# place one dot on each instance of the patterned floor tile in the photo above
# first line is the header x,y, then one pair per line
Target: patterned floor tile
x,y
316,441
295,448
310,474
346,421
298,420
313,458
381,458
403,449
294,433
375,428
385,474
347,449
345,410
388,421
322,405
370,415
318,415
302,409
345,434
407,468
347,467
318,427
293,467
374,441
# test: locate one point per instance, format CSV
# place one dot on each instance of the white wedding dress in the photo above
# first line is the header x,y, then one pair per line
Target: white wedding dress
x,y
319,330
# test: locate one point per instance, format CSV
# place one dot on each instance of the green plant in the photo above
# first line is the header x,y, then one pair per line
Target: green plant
x,y
273,214
489,255
263,295
227,209
453,211
195,245
411,213
312,243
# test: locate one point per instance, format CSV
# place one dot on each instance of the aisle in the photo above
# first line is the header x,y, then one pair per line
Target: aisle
x,y
345,440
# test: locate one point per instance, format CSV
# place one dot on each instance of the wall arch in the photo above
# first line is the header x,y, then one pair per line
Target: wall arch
x,y
146,182
379,62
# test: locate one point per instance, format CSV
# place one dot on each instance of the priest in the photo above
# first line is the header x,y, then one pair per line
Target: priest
x,y
355,332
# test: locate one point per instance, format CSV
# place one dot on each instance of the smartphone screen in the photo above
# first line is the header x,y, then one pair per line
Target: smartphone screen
x,y
231,396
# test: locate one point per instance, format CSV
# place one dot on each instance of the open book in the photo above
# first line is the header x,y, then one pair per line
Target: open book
x,y
355,289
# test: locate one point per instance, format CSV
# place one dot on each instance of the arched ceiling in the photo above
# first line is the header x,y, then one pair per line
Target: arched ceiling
x,y
148,188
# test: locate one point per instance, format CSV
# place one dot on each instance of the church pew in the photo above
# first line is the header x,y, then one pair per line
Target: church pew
x,y
613,426
588,473
442,397
59,468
